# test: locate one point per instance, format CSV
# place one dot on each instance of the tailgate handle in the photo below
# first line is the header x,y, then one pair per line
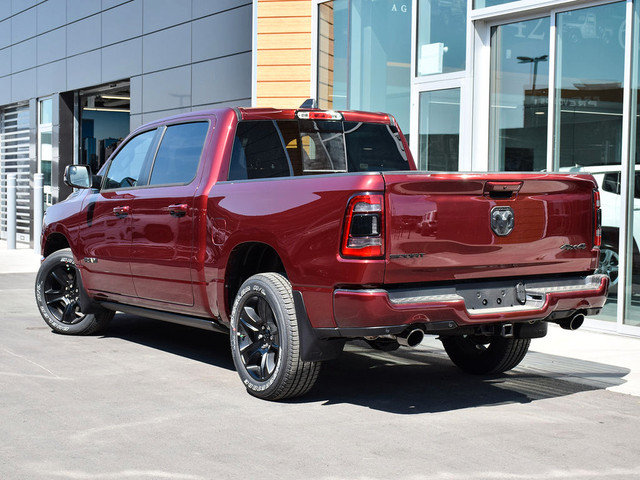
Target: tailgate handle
x,y
501,189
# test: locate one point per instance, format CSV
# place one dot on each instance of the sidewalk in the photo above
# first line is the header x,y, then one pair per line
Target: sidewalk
x,y
21,260
607,360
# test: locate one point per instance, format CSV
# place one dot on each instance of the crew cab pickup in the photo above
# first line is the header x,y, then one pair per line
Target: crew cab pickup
x,y
294,231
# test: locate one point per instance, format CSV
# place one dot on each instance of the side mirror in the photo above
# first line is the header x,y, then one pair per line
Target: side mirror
x,y
78,176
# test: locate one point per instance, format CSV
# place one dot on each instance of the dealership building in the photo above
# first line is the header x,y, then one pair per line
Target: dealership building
x,y
476,85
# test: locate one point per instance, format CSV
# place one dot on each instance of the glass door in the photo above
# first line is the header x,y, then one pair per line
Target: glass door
x,y
519,95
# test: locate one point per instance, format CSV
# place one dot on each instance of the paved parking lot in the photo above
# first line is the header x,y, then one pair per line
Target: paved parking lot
x,y
157,401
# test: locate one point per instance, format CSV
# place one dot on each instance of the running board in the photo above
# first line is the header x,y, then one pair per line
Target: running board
x,y
197,322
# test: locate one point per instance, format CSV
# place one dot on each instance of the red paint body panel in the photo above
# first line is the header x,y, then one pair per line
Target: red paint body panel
x,y
437,230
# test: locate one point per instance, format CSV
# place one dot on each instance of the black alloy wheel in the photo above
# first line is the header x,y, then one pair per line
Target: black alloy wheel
x,y
265,344
258,338
58,289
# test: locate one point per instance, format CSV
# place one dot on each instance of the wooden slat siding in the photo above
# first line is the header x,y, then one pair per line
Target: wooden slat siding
x,y
283,53
325,56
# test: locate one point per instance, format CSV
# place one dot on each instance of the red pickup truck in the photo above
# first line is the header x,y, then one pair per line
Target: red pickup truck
x,y
294,231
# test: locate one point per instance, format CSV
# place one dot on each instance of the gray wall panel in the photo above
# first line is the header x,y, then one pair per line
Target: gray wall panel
x,y
5,62
202,8
23,26
166,48
84,35
77,9
160,14
84,70
5,33
169,89
52,46
122,23
134,122
51,14
222,80
150,117
23,85
23,55
230,30
51,78
5,90
136,95
5,10
122,60
20,5
112,3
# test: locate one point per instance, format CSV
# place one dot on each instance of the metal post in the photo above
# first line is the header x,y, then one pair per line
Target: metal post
x,y
11,211
38,188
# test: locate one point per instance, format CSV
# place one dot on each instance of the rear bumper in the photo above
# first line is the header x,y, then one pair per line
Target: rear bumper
x,y
462,304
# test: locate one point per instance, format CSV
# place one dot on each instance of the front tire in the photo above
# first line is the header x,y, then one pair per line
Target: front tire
x,y
485,355
57,292
265,343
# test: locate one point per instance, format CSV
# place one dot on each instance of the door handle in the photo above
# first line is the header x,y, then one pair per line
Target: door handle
x,y
178,210
121,212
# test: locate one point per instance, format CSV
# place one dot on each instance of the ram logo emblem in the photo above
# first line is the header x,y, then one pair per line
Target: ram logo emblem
x,y
502,221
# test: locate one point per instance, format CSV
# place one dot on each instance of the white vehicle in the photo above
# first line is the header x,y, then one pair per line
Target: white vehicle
x,y
608,178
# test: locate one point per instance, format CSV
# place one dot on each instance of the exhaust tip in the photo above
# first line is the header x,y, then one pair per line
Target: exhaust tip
x,y
413,338
572,323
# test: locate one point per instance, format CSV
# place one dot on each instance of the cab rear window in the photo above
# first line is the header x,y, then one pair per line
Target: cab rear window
x,y
269,148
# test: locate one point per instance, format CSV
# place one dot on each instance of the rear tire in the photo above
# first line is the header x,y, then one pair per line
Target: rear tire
x,y
265,343
485,355
57,292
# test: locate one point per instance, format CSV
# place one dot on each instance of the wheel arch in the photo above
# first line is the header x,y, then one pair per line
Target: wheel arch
x,y
54,242
246,260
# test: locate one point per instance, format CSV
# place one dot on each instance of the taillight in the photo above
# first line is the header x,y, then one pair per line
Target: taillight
x,y
363,235
597,220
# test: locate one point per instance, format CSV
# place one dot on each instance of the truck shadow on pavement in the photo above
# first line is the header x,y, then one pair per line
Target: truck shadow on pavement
x,y
423,380
407,381
200,345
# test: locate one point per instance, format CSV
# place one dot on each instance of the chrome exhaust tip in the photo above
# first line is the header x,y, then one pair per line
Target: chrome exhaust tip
x,y
410,338
572,323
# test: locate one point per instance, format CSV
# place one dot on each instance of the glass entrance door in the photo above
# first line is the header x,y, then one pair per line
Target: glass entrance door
x,y
519,95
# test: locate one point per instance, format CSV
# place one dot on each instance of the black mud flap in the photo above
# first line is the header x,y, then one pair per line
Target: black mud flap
x,y
312,347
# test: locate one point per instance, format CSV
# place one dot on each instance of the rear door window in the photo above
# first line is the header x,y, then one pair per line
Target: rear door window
x,y
178,157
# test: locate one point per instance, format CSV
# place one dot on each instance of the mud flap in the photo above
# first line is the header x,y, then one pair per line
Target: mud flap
x,y
312,347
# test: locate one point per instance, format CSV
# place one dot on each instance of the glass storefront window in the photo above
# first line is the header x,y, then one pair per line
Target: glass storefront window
x,y
442,37
364,56
490,3
632,309
519,95
45,145
439,130
589,108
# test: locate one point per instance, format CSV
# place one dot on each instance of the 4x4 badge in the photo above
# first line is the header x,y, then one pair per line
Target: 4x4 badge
x,y
502,221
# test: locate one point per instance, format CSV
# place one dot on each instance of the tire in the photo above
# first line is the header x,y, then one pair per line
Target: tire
x,y
265,343
57,292
485,355
609,265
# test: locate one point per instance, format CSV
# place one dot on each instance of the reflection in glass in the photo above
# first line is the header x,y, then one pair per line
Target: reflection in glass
x,y
632,309
489,3
439,130
46,156
364,57
589,92
519,95
442,36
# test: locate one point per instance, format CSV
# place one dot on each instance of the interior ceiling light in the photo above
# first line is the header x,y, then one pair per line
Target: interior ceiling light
x,y
115,97
107,109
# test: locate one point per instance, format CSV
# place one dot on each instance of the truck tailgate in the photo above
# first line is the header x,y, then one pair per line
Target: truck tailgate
x,y
439,226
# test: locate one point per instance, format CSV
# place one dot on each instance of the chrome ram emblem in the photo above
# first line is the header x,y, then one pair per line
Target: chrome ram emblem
x,y
502,221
